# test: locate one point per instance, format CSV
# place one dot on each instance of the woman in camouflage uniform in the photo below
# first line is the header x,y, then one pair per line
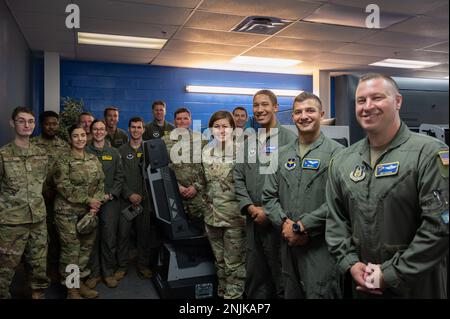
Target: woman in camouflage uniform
x,y
79,181
224,222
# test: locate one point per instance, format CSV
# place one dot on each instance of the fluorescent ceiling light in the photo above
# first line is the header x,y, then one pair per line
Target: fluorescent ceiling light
x,y
446,77
251,60
236,90
120,41
406,64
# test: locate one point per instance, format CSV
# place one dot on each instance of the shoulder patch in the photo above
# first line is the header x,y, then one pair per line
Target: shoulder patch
x,y
443,155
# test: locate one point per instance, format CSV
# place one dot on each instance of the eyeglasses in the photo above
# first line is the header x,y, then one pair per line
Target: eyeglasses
x,y
23,121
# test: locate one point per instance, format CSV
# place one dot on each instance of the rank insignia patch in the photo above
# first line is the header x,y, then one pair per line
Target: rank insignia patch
x,y
309,163
290,164
387,169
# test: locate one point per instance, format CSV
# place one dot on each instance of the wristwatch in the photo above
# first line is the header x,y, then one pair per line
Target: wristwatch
x,y
296,229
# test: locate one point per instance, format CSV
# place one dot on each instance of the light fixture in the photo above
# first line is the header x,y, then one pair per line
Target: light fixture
x,y
120,41
405,64
236,90
252,60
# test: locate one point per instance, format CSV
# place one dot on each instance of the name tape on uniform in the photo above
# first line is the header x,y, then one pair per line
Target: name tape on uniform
x,y
387,169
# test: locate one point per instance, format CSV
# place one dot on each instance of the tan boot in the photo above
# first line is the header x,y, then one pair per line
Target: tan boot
x,y
73,293
37,294
119,275
92,282
145,273
85,292
111,282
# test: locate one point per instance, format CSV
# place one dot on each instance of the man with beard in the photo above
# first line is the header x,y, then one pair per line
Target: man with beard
x,y
54,147
116,136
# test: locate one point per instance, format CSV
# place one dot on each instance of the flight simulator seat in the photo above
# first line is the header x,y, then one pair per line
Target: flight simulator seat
x,y
185,263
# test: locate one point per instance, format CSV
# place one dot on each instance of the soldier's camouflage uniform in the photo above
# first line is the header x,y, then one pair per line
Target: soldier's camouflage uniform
x,y
188,173
23,230
225,225
54,149
78,181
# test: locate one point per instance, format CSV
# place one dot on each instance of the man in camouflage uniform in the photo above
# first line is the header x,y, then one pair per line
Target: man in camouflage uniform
x,y
116,137
159,127
54,147
134,193
186,163
388,202
23,230
264,279
294,200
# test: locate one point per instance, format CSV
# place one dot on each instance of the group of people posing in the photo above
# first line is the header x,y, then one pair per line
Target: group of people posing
x,y
287,215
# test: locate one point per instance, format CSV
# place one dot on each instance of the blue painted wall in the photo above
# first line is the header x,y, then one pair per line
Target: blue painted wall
x,y
133,88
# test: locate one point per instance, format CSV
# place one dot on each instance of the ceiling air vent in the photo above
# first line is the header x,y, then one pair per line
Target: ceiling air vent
x,y
262,25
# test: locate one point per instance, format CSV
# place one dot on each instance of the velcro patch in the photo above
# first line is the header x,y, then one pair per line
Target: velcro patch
x,y
107,158
443,155
444,217
309,163
387,169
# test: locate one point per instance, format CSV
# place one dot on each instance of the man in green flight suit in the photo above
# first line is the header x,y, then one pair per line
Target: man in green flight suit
x,y
388,202
134,193
294,200
23,230
116,137
159,126
263,264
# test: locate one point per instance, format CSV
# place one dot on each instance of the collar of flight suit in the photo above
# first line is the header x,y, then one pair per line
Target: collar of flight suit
x,y
401,137
271,134
313,145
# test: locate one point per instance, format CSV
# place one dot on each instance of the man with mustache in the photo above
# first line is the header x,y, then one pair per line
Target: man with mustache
x,y
388,202
294,200
54,147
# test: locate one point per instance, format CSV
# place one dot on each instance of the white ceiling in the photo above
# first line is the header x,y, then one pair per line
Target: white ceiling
x,y
198,33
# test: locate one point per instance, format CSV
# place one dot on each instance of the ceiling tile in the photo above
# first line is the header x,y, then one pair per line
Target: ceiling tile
x,y
423,56
437,47
230,38
300,44
281,54
43,6
135,12
324,32
423,26
402,40
400,6
439,12
346,58
165,3
370,50
27,19
213,21
48,35
286,9
196,47
99,50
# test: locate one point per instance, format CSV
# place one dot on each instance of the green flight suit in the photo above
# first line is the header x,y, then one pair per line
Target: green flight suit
x,y
297,191
263,264
119,138
23,230
153,130
225,226
54,148
147,242
395,215
103,258
78,181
